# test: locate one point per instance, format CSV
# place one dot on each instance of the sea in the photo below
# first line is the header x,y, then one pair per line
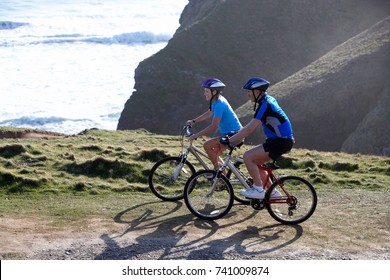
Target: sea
x,y
68,65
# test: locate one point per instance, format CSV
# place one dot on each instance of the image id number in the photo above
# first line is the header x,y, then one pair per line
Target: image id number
x,y
242,270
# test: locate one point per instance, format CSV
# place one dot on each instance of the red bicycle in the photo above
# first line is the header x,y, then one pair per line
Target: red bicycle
x,y
209,194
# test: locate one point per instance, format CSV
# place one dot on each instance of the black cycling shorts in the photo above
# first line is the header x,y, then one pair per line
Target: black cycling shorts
x,y
278,146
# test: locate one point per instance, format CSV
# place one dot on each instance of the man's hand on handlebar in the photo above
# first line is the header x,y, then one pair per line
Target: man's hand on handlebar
x,y
224,140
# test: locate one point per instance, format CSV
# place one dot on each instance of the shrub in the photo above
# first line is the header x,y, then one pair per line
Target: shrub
x,y
153,155
9,151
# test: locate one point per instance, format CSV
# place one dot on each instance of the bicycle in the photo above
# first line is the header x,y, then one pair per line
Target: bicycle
x,y
208,194
169,175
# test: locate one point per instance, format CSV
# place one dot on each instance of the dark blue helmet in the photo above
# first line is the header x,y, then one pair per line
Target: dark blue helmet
x,y
256,83
213,83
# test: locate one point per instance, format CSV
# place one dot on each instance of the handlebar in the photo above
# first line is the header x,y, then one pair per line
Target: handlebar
x,y
187,131
225,141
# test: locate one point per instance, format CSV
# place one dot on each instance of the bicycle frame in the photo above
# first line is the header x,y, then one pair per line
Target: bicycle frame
x,y
229,163
268,168
197,152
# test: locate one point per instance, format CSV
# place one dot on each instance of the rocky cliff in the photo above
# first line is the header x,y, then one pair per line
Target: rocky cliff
x,y
340,102
234,40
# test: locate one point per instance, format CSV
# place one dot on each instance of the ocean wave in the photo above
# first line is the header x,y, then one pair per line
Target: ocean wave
x,y
11,25
36,121
133,38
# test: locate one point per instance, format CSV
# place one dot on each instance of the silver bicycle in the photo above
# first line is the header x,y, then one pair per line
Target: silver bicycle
x,y
168,176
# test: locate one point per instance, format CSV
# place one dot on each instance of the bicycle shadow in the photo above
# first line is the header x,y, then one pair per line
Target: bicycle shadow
x,y
168,236
250,242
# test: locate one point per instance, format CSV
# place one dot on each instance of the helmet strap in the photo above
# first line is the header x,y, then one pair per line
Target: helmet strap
x,y
212,97
257,99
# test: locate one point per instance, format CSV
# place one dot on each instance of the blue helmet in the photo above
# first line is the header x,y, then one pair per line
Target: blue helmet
x,y
213,83
256,83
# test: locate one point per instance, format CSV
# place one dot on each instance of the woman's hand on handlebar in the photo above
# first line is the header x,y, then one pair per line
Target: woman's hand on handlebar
x,y
190,123
188,132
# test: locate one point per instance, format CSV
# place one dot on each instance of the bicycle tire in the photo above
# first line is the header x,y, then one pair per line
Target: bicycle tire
x,y
300,206
203,205
162,183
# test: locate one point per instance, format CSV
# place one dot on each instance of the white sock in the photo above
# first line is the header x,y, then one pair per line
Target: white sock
x,y
259,188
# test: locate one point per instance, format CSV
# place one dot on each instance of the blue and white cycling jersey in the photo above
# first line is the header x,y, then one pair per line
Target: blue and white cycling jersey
x,y
274,121
229,120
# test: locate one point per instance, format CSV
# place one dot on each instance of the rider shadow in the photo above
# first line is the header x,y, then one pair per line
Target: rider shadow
x,y
249,243
169,237
163,232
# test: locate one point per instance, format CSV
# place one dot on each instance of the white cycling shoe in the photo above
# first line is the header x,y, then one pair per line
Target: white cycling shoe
x,y
256,193
276,194
253,193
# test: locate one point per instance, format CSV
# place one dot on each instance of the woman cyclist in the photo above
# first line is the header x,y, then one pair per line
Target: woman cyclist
x,y
277,128
223,118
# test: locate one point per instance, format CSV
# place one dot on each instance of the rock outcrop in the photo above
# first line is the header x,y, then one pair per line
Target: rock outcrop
x,y
234,40
340,102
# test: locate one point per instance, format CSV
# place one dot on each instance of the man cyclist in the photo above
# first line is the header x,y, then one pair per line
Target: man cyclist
x,y
223,118
277,128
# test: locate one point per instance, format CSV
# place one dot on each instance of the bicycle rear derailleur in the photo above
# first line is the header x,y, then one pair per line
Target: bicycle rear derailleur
x,y
257,204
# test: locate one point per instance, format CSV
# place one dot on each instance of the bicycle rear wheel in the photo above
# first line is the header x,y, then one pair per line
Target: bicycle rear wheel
x,y
168,176
205,202
294,209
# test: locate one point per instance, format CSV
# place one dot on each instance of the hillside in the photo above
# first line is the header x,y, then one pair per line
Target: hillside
x,y
99,161
234,40
86,197
339,102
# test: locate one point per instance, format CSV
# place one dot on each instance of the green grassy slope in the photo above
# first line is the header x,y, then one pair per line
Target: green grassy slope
x,y
98,162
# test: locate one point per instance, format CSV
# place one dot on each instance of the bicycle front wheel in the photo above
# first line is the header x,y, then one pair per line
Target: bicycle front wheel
x,y
168,176
206,199
297,206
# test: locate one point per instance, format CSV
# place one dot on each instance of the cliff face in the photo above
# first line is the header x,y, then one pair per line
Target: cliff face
x,y
340,102
234,40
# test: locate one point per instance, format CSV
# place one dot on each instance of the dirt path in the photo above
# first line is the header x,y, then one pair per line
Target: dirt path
x,y
346,225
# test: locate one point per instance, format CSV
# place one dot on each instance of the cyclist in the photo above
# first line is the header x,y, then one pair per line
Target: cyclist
x,y
223,118
277,128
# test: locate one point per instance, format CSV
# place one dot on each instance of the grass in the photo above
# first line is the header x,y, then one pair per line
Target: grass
x,y
98,165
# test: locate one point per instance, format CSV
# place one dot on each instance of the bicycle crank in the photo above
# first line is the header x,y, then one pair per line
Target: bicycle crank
x,y
257,204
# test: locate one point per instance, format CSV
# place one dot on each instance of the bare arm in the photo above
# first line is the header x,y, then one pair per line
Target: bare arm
x,y
200,118
246,130
211,128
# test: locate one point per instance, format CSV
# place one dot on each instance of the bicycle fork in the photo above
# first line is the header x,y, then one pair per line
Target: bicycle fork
x,y
217,176
179,167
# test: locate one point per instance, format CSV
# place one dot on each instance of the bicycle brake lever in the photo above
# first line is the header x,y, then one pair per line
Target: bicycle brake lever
x,y
187,129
